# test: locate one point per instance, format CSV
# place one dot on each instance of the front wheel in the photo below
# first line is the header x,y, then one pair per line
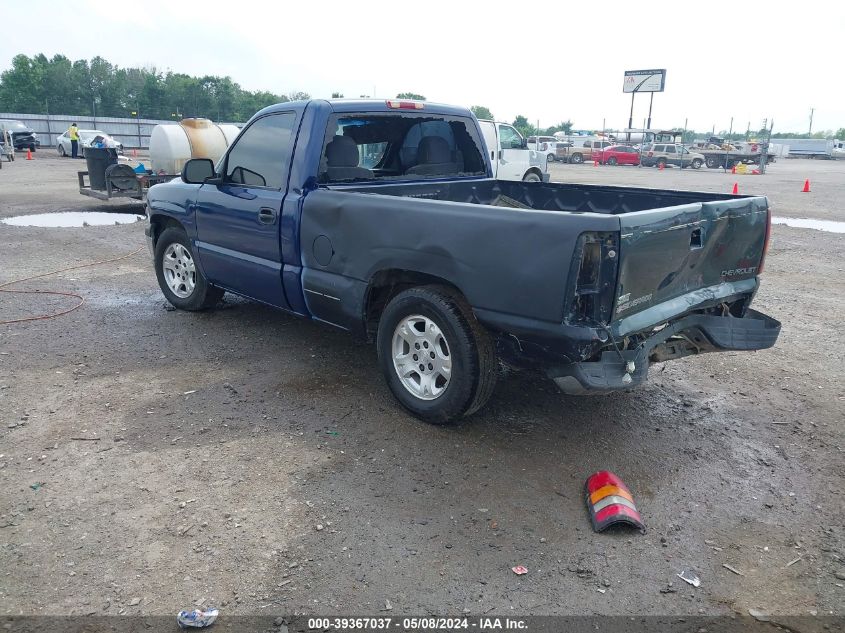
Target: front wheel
x,y
62,152
612,160
696,163
531,177
439,362
181,282
577,159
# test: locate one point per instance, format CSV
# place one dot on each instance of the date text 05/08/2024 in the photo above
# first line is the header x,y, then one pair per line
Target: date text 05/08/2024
x,y
429,623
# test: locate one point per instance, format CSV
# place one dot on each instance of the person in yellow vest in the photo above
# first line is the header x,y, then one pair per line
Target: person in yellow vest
x,y
73,133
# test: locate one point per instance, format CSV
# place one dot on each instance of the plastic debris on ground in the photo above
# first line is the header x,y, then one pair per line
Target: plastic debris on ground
x,y
609,502
197,618
519,570
691,577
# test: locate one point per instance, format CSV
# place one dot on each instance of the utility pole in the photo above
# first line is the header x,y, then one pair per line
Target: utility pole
x,y
811,121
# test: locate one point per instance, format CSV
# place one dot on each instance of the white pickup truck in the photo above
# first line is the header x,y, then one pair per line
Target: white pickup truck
x,y
509,154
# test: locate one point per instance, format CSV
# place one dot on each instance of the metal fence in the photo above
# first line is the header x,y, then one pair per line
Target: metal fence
x,y
130,132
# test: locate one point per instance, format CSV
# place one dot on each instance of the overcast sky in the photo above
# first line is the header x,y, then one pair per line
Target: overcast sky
x,y
549,61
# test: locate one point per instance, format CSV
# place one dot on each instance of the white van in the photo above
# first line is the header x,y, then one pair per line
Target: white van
x,y
510,156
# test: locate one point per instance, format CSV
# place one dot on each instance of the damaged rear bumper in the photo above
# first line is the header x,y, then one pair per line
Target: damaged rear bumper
x,y
692,334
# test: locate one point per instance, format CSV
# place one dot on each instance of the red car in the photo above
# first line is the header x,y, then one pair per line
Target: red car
x,y
617,155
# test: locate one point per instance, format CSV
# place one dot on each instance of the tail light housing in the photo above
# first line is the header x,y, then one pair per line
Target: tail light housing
x,y
593,278
766,240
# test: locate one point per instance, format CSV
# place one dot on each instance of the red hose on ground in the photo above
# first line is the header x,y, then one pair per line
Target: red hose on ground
x,y
56,292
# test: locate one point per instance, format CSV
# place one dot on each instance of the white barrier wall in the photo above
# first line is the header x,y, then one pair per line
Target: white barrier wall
x,y
130,132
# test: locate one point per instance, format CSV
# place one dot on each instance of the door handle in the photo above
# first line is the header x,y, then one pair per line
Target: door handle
x,y
267,215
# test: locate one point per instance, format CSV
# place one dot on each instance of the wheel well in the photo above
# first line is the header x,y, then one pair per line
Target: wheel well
x,y
386,284
534,170
160,222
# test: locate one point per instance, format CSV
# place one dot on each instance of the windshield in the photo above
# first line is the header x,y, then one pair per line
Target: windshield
x,y
368,146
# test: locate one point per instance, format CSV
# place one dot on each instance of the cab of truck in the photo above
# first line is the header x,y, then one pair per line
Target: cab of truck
x,y
509,154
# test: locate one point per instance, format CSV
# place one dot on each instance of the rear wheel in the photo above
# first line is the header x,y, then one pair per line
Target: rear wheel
x,y
62,151
577,159
180,280
712,163
612,160
696,163
439,362
551,158
531,176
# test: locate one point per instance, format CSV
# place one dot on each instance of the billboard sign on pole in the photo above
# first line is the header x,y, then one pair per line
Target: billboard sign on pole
x,y
652,80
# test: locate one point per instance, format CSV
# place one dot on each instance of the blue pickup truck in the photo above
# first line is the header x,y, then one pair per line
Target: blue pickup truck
x,y
382,218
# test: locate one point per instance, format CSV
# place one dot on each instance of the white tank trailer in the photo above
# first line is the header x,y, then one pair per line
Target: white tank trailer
x,y
172,145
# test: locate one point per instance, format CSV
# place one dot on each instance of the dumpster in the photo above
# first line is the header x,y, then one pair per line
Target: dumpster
x,y
97,159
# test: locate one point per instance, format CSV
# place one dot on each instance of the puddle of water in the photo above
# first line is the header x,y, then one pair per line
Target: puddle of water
x,y
69,219
821,225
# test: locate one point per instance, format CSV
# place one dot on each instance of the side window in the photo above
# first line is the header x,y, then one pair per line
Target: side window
x,y
260,156
670,149
588,144
509,137
659,148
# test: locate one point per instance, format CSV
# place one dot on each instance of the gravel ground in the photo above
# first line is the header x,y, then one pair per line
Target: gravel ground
x,y
151,460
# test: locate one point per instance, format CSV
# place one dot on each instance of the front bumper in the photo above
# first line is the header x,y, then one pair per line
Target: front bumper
x,y
692,334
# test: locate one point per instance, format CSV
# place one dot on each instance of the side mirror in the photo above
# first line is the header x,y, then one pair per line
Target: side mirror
x,y
524,144
197,170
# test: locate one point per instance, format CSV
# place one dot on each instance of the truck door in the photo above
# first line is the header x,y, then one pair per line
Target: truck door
x,y
238,237
513,158
491,139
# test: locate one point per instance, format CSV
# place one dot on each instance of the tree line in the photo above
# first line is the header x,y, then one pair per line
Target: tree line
x,y
38,85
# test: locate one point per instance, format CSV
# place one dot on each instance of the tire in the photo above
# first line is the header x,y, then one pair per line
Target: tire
x,y
612,161
661,162
550,158
696,163
183,286
712,163
577,159
439,320
62,151
32,148
531,176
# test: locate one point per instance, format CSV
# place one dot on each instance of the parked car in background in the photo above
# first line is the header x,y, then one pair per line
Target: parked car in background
x,y
547,144
617,155
509,155
664,154
86,137
583,150
23,136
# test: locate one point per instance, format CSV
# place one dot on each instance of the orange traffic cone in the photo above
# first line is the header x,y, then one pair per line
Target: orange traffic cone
x,y
736,189
806,188
595,163
660,166
733,169
29,154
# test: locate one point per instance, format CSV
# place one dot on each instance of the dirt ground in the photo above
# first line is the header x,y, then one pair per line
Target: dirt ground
x,y
152,460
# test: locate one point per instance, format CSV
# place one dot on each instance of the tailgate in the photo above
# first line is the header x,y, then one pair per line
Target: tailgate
x,y
669,254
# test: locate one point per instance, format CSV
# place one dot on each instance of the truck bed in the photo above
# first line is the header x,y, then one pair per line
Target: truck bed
x,y
674,249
